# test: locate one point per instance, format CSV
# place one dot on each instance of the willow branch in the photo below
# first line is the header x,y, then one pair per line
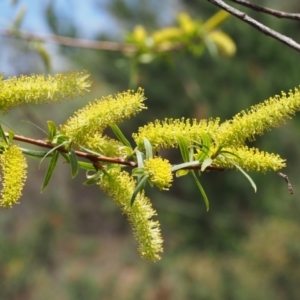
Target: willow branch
x,y
273,12
262,28
68,41
83,43
95,158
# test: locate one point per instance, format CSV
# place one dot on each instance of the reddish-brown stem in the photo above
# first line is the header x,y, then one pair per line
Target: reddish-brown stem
x,y
95,158
88,156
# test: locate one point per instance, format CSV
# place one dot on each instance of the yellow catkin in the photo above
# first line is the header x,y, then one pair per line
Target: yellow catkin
x,y
159,171
260,118
38,89
98,115
13,174
120,186
163,134
251,159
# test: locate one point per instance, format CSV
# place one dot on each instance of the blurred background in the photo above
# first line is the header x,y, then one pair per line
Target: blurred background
x,y
71,242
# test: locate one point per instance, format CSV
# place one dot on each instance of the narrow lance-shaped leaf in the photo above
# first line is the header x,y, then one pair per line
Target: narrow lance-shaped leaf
x,y
53,150
11,135
140,158
201,190
185,165
94,179
184,149
119,134
89,151
148,148
82,164
73,162
243,172
50,170
205,147
2,135
35,153
206,163
139,187
51,130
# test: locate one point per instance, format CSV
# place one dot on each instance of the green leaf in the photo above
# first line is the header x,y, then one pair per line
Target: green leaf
x,y
86,166
207,162
81,164
60,139
148,148
201,190
138,172
185,165
205,147
73,162
139,187
35,153
119,134
244,173
51,130
222,152
94,179
50,169
11,135
184,149
52,150
90,151
140,158
3,136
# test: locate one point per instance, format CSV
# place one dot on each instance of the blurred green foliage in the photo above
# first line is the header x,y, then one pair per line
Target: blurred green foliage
x,y
72,243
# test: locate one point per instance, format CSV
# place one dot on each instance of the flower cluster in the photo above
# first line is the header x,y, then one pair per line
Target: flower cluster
x,y
163,134
96,116
159,171
13,174
120,186
251,159
40,89
230,136
261,117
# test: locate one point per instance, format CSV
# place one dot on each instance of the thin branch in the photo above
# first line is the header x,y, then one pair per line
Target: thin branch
x,y
286,179
270,11
95,158
262,28
85,44
70,42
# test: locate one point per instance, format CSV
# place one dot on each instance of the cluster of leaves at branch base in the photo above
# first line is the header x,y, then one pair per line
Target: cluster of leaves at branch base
x,y
41,89
159,171
13,174
120,186
96,116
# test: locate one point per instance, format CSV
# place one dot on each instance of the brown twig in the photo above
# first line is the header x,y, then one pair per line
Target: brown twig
x,y
86,44
262,28
270,11
95,158
68,41
289,185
